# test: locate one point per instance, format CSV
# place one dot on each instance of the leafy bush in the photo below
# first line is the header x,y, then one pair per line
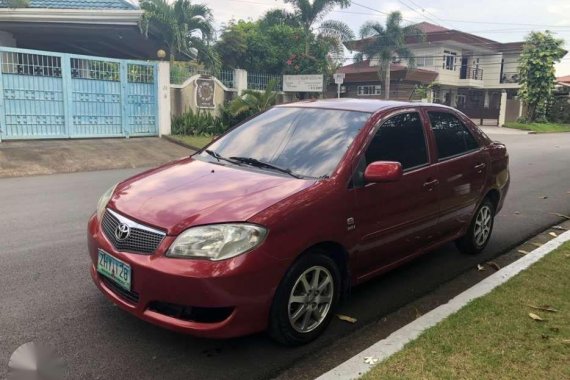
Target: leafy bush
x,y
230,119
198,123
559,110
18,3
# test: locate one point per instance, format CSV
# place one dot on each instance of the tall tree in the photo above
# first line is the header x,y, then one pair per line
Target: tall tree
x,y
536,71
386,43
310,12
186,28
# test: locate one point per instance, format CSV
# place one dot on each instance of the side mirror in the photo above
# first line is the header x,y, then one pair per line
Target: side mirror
x,y
383,171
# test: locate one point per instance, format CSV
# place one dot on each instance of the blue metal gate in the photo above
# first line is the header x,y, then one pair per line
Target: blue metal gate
x,y
52,95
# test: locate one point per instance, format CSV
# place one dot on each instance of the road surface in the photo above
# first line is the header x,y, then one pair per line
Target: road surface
x,y
47,295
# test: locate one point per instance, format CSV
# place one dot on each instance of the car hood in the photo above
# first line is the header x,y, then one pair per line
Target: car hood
x,y
192,192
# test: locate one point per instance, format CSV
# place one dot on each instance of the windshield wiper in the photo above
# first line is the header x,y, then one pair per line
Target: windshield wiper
x,y
219,157
260,164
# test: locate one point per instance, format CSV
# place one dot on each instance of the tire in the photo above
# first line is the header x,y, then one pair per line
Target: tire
x,y
477,237
299,315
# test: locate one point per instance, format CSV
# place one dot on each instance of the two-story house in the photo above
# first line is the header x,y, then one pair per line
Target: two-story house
x,y
471,73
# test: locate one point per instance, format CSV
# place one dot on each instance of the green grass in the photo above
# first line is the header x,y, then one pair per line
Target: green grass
x,y
493,337
540,127
195,141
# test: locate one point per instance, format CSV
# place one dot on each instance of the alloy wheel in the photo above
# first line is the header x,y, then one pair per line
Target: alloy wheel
x,y
483,224
311,299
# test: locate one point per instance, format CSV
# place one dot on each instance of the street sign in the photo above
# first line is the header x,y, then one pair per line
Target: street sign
x,y
339,78
303,83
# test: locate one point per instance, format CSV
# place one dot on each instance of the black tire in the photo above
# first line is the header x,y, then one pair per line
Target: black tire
x,y
281,328
473,243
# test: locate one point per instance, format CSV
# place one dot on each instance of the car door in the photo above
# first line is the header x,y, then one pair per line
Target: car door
x,y
462,166
393,219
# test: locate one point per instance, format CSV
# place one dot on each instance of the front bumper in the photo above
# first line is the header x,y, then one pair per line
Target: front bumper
x,y
243,285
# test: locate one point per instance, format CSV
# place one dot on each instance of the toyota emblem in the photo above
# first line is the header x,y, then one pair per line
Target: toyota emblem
x,y
122,232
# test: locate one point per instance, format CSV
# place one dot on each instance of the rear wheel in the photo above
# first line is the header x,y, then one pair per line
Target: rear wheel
x,y
305,300
479,232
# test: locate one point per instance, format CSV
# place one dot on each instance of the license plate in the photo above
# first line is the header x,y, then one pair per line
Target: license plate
x,y
114,269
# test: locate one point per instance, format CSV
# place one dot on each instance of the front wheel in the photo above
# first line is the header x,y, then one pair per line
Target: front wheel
x,y
479,232
305,300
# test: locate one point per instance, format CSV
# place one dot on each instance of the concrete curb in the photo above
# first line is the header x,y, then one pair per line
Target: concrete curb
x,y
355,367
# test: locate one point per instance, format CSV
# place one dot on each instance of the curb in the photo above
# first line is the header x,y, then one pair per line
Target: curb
x,y
355,367
178,142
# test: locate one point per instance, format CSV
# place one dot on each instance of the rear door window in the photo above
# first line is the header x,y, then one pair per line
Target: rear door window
x,y
451,135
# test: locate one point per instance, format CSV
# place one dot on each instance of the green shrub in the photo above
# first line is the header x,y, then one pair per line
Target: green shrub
x,y
18,3
559,111
198,123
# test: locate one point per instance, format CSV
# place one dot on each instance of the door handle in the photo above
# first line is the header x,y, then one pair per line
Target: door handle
x,y
430,184
480,167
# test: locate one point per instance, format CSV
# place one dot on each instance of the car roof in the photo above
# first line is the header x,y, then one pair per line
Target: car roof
x,y
360,105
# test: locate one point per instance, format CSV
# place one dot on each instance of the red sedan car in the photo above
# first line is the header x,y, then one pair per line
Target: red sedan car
x,y
267,227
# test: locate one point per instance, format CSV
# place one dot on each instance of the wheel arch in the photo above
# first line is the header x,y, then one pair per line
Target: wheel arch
x,y
495,197
339,254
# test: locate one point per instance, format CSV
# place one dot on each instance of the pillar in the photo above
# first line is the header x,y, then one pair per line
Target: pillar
x,y
164,117
240,80
453,97
503,108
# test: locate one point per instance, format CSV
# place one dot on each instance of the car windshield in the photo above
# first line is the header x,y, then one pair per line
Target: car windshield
x,y
307,142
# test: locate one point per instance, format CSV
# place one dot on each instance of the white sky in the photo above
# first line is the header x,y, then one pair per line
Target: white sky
x,y
492,19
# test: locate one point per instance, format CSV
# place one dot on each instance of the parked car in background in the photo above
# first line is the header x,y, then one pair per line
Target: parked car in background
x,y
266,228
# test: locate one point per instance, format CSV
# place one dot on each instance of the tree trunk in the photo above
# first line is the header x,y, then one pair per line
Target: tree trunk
x,y
387,82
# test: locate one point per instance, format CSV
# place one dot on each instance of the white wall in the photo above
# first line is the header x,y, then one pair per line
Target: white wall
x,y
491,65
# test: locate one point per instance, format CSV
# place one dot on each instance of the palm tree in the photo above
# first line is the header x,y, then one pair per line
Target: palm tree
x,y
187,29
385,43
252,101
309,12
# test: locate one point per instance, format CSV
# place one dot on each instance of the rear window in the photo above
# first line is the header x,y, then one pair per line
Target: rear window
x,y
307,141
451,135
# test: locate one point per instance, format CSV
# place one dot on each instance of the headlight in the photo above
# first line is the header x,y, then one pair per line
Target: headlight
x,y
217,241
102,204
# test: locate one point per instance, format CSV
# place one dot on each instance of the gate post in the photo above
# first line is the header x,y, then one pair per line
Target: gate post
x,y
67,94
2,111
503,108
163,98
124,76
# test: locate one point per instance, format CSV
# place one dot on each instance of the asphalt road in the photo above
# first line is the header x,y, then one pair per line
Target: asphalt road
x,y
46,294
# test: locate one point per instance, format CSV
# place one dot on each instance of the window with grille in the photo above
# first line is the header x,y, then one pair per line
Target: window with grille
x,y
369,90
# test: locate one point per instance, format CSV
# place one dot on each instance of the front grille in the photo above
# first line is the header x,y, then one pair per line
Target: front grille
x,y
127,295
141,239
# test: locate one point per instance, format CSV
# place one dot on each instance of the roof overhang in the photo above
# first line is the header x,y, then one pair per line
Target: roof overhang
x,y
72,16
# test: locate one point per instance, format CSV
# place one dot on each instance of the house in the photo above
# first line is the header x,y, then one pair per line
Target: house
x,y
106,28
471,73
565,80
562,87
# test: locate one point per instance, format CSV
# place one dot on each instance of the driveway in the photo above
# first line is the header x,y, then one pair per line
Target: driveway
x,y
25,158
47,295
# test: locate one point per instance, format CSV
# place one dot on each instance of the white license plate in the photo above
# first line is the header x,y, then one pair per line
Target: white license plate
x,y
115,269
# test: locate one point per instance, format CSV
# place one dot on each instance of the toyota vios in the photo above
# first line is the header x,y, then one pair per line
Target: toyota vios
x,y
267,227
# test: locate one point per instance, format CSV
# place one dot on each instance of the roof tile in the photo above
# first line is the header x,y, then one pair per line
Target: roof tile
x,y
78,4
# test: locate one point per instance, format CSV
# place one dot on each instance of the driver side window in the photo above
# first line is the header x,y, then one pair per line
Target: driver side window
x,y
400,138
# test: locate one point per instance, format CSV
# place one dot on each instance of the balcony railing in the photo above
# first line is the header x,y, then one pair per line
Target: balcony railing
x,y
512,77
470,72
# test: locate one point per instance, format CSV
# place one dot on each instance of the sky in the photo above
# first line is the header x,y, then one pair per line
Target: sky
x,y
500,20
